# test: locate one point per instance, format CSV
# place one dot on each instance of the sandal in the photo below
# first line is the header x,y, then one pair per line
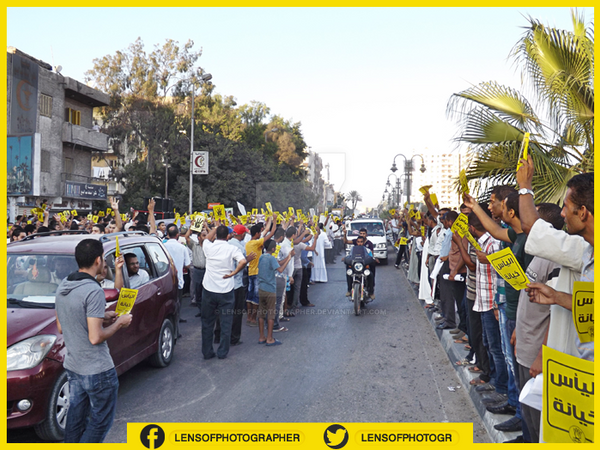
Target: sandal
x,y
477,382
464,362
462,340
475,369
467,347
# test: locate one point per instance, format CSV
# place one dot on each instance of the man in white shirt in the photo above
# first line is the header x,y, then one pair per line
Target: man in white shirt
x,y
181,258
223,262
137,277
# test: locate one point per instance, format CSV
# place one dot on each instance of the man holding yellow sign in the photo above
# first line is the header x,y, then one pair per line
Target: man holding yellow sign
x,y
81,315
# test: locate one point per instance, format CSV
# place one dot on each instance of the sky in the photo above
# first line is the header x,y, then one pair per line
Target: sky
x,y
366,83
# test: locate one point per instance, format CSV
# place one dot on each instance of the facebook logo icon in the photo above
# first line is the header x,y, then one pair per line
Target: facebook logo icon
x,y
152,436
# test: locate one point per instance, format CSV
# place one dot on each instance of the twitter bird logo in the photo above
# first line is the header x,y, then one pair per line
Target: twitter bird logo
x,y
336,436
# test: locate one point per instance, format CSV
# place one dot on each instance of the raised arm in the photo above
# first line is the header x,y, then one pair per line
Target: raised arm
x,y
430,206
151,219
527,211
488,223
114,204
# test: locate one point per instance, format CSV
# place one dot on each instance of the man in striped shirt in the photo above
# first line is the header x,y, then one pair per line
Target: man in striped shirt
x,y
484,305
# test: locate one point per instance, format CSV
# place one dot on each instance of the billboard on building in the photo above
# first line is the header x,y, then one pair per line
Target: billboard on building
x,y
20,156
24,96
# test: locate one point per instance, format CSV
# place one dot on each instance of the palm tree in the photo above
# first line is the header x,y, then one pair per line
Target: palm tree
x,y
354,197
493,119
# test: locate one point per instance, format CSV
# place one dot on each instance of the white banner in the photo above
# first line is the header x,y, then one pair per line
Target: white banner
x,y
200,163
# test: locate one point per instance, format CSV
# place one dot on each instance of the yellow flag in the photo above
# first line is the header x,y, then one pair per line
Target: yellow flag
x,y
523,152
425,189
464,185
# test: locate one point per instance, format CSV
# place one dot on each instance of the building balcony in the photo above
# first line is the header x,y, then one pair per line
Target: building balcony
x,y
84,137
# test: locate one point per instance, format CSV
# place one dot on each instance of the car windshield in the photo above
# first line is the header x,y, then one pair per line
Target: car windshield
x,y
373,228
33,278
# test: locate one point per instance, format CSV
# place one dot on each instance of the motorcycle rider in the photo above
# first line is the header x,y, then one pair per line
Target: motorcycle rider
x,y
368,244
359,241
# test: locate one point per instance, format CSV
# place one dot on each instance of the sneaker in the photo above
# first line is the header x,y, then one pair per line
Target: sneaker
x,y
437,316
280,329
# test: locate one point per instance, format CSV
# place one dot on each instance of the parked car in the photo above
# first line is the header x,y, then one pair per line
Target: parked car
x,y
37,389
375,233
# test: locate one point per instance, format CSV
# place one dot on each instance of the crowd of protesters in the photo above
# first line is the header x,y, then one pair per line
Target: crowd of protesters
x,y
503,330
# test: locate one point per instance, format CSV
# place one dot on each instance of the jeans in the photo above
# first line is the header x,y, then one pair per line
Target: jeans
x,y
253,289
214,303
492,335
507,349
92,406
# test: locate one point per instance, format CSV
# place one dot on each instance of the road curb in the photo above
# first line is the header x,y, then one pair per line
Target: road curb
x,y
456,352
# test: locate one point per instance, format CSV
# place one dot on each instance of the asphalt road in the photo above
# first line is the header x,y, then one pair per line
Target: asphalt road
x,y
386,365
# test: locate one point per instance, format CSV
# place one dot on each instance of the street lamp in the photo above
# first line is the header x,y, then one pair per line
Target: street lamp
x,y
272,130
408,168
166,164
397,189
205,78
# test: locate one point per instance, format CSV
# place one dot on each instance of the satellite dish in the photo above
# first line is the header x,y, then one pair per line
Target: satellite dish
x,y
58,68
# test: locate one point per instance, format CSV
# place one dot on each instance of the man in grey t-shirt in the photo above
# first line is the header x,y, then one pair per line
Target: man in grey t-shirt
x,y
81,317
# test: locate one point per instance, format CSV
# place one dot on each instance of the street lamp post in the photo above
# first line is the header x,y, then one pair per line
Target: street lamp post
x,y
397,189
203,79
408,168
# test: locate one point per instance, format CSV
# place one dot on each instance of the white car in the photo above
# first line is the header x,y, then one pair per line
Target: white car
x,y
375,233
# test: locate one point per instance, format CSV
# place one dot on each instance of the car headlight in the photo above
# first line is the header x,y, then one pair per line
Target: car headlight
x,y
29,353
358,267
381,246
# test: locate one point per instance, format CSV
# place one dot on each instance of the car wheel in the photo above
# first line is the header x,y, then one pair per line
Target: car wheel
x,y
53,428
166,344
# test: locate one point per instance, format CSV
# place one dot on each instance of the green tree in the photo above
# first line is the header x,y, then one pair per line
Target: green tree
x,y
354,197
559,68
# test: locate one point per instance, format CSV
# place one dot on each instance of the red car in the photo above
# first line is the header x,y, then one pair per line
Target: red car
x,y
38,391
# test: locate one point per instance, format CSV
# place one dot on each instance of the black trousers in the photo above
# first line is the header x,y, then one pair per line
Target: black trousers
x,y
401,250
304,286
483,361
238,316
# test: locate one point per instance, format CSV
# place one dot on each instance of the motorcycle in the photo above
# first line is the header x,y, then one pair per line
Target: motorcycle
x,y
357,267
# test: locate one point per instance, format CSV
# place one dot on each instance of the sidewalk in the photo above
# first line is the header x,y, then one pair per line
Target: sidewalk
x,y
456,352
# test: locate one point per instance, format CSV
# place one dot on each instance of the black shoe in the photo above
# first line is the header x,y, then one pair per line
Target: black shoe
x,y
487,387
503,408
210,356
494,397
198,315
443,326
517,440
236,343
182,321
512,424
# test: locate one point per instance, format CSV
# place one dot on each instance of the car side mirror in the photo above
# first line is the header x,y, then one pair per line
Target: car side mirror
x,y
111,295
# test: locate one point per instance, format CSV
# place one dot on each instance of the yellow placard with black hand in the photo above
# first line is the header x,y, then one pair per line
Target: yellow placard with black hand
x,y
219,212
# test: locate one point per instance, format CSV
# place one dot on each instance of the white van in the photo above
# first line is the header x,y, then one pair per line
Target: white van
x,y
375,233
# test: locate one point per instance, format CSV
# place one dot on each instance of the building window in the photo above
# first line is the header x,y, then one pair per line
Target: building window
x,y
45,105
68,165
73,116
